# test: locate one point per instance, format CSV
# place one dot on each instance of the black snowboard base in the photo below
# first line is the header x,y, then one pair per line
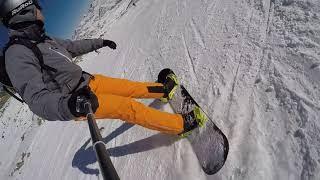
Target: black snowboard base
x,y
209,143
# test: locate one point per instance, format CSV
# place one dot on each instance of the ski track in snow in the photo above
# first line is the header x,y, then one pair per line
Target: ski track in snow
x,y
252,65
189,60
197,33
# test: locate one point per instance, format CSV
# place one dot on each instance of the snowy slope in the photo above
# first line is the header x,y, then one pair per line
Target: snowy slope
x,y
253,65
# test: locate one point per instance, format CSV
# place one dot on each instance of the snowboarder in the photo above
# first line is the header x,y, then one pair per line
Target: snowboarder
x,y
52,85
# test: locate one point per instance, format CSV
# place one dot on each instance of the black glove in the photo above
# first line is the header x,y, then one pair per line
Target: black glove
x,y
110,44
78,100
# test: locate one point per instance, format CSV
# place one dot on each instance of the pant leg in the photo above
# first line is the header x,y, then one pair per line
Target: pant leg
x,y
129,110
122,87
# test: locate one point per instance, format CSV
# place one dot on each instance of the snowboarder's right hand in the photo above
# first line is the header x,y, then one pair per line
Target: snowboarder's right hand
x,y
110,44
78,100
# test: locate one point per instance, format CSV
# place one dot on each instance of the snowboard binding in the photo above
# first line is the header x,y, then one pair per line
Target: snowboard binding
x,y
192,120
170,84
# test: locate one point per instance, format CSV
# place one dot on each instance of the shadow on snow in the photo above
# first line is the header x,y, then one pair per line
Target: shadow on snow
x,y
86,155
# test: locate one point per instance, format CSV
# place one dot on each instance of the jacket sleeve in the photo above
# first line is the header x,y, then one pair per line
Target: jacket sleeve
x,y
25,74
80,47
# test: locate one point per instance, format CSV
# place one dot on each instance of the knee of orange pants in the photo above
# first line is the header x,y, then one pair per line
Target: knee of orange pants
x,y
131,111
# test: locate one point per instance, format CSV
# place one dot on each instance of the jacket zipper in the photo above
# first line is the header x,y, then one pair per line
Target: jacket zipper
x,y
60,54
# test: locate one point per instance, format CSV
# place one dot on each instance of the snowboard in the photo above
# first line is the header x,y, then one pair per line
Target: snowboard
x,y
209,143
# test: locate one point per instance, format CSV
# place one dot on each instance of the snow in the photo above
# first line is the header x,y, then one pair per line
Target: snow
x,y
252,65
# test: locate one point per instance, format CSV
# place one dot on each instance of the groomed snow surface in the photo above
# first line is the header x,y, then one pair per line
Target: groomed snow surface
x,y
253,65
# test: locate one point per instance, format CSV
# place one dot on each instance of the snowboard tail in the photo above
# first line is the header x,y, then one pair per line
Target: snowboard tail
x,y
209,143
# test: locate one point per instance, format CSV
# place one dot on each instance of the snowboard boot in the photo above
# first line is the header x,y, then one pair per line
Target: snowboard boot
x,y
170,86
192,120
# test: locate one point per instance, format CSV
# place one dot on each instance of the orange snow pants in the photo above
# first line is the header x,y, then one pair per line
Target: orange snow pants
x,y
116,102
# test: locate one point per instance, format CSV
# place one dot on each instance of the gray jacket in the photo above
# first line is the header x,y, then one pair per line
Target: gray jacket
x,y
46,98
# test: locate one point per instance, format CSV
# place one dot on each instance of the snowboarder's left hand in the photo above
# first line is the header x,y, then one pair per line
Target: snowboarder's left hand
x,y
110,44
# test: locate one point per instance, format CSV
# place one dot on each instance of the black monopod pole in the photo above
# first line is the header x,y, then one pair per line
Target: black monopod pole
x,y
106,167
